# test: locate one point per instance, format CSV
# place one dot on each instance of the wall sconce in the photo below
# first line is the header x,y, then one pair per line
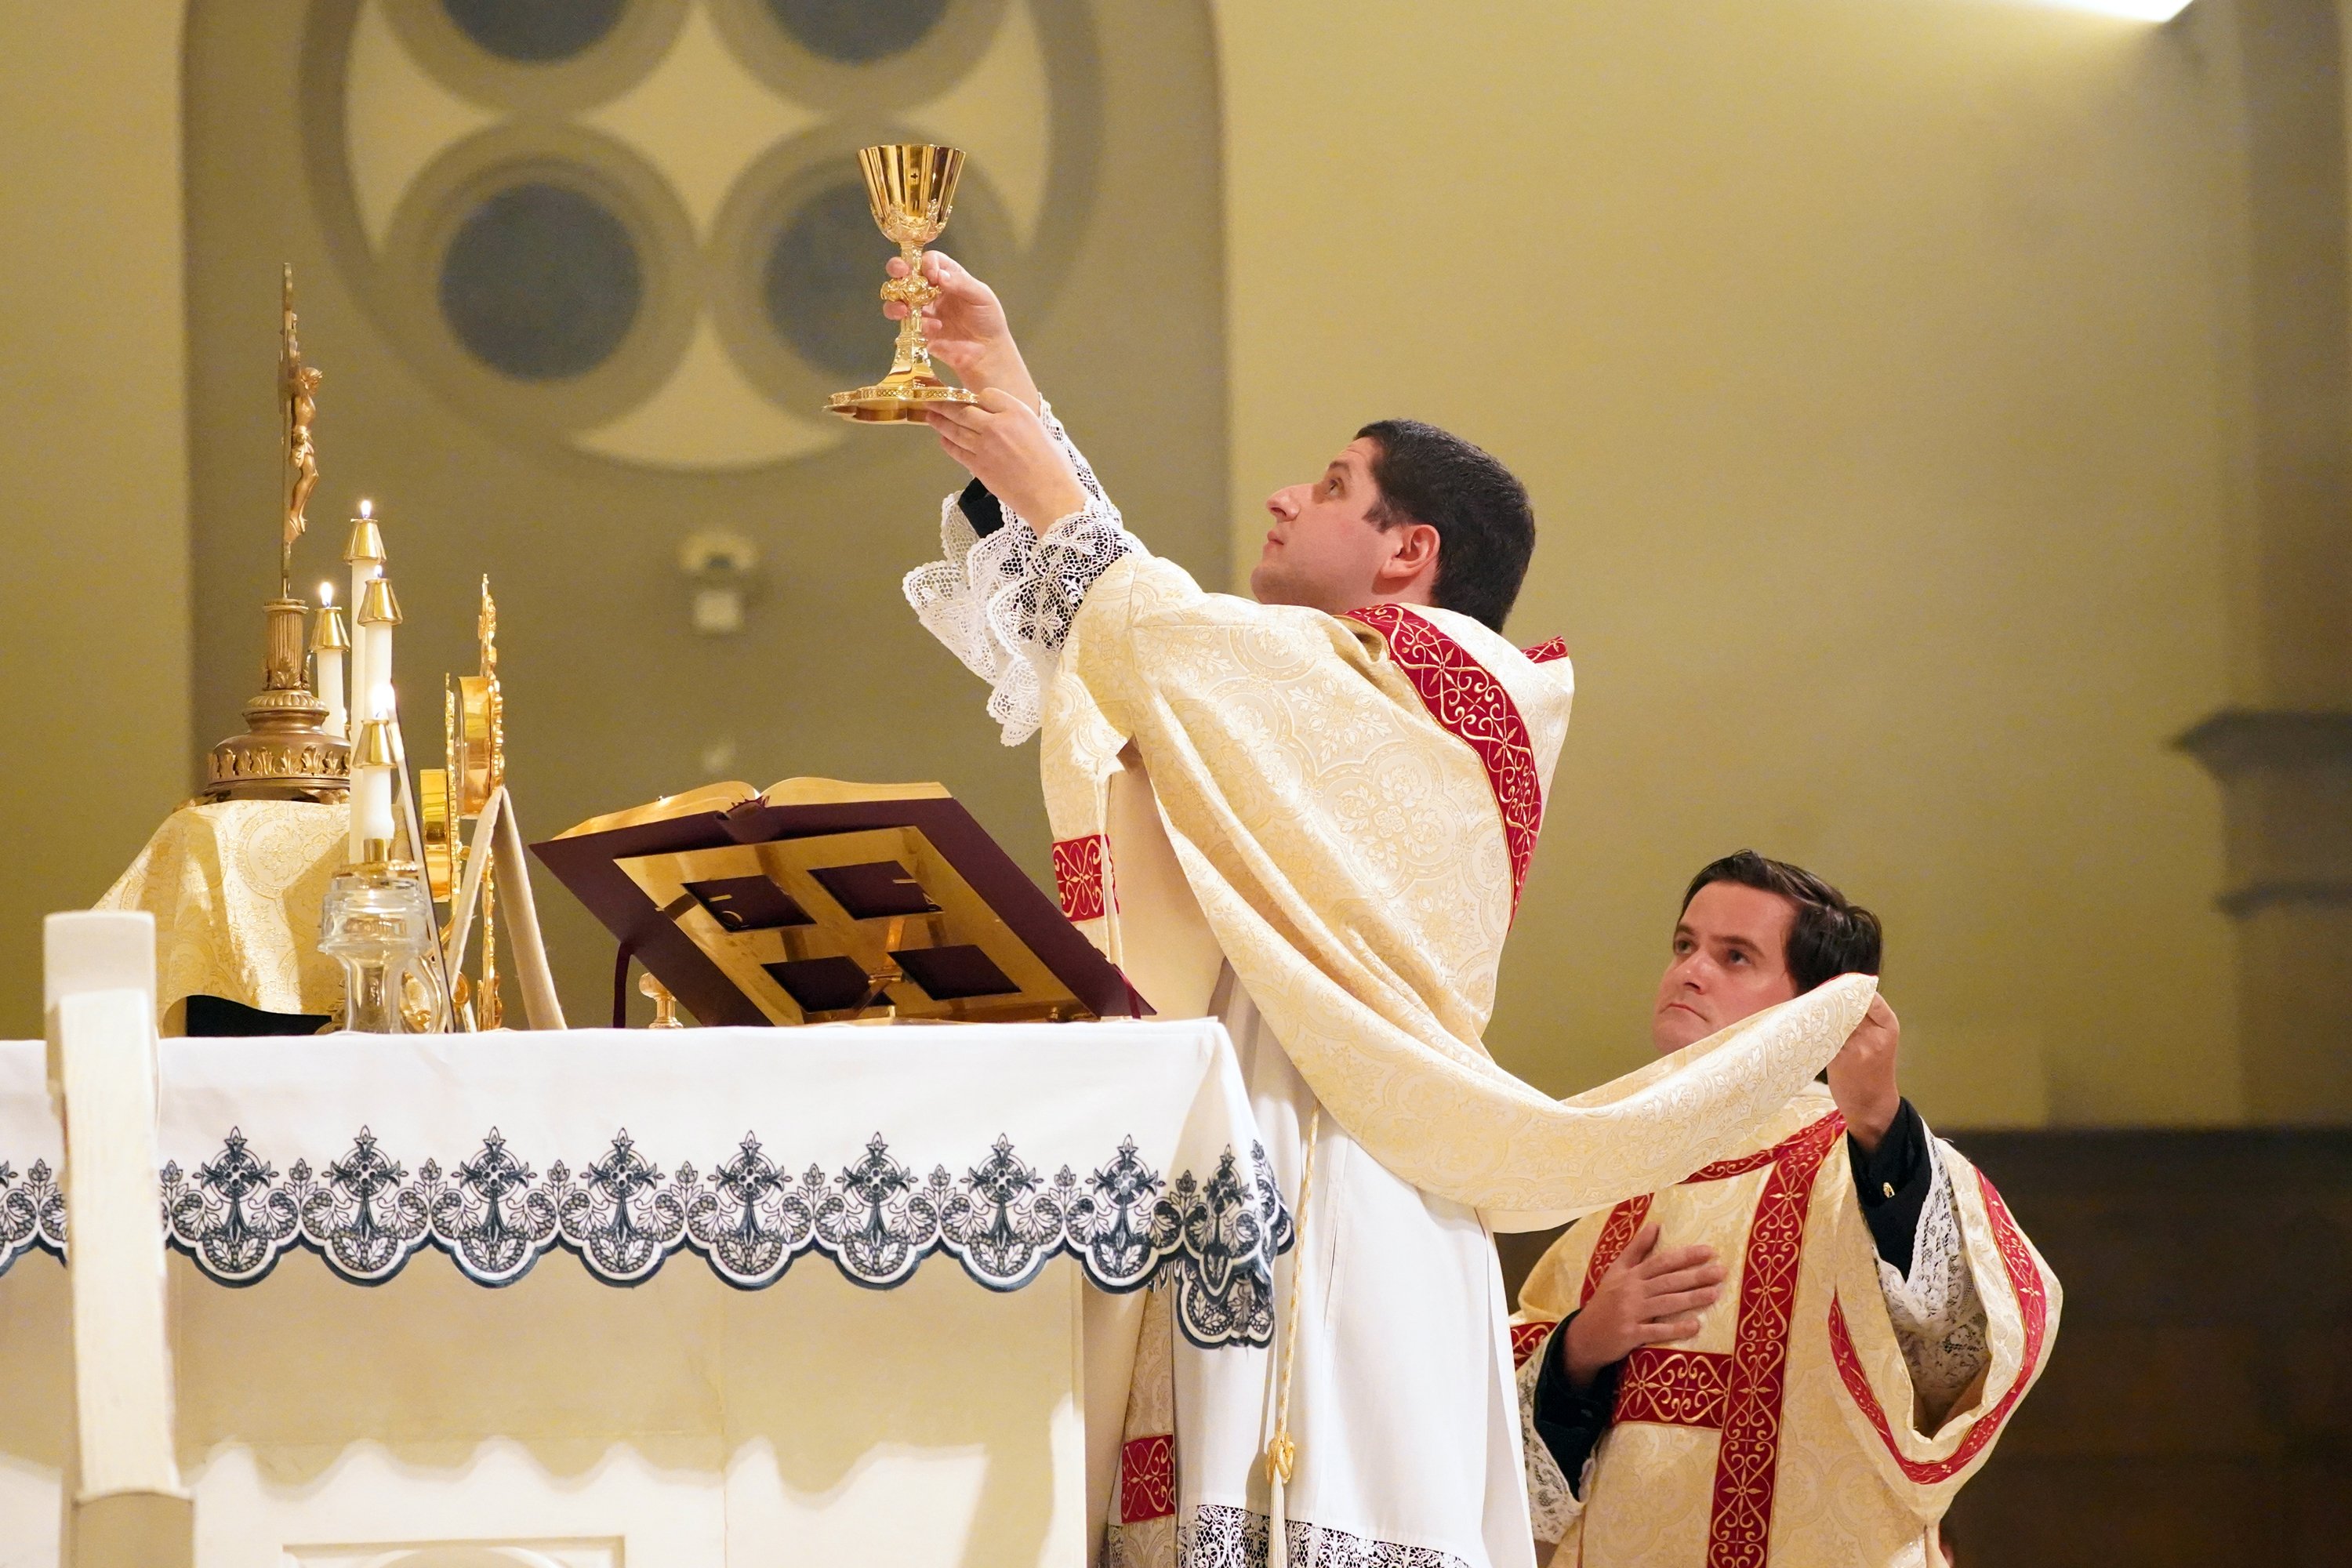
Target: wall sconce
x,y
720,564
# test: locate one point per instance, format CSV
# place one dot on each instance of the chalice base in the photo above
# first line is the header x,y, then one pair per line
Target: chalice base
x,y
896,400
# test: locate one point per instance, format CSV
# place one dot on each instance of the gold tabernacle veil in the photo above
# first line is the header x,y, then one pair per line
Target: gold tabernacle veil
x,y
1349,801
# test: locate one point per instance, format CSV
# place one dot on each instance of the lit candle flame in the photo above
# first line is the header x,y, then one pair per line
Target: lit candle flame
x,y
367,510
326,594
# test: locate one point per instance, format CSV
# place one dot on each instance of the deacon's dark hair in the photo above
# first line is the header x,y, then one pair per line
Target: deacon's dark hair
x,y
1830,936
1485,529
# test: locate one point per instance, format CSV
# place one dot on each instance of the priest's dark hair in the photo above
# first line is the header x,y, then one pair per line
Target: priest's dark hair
x,y
1830,936
1485,529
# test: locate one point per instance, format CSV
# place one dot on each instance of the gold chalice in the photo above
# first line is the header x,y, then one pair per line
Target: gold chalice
x,y
911,186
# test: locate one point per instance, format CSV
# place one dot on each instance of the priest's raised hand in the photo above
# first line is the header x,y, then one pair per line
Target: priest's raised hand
x,y
1001,442
966,329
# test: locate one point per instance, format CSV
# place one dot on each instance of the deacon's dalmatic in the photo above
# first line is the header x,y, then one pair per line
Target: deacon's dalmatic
x,y
1316,828
1828,1409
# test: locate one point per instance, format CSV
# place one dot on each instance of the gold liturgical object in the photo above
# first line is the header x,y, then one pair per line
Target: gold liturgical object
x,y
819,900
286,752
473,728
911,186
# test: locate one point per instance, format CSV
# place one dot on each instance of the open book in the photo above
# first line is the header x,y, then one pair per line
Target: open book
x,y
818,901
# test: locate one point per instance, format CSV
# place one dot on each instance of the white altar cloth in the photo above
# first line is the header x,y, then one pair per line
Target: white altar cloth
x,y
359,1407
1127,1146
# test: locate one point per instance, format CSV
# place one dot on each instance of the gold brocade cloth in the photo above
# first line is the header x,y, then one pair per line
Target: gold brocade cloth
x,y
1786,1432
1343,844
235,888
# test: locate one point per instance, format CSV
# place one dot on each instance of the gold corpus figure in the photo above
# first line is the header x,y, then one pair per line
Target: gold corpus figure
x,y
298,386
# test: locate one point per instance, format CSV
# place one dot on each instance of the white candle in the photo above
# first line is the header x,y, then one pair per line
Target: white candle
x,y
366,554
372,806
378,615
330,689
328,674
377,640
371,810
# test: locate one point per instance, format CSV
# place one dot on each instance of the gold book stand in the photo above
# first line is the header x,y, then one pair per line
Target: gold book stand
x,y
820,901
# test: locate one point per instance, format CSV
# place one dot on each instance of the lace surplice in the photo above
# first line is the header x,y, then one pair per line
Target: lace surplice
x,y
1940,1320
1003,603
1552,1503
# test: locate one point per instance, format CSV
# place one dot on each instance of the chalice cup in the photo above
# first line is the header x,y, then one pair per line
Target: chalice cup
x,y
911,187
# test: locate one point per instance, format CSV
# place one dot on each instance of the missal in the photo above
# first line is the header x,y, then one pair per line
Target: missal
x,y
824,902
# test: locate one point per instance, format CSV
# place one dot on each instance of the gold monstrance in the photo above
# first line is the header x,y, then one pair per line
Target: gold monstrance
x,y
911,187
285,753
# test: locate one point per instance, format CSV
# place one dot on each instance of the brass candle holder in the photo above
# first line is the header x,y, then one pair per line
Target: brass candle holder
x,y
911,187
286,752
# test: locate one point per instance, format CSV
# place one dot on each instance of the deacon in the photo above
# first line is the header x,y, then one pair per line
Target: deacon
x,y
1796,1356
1309,817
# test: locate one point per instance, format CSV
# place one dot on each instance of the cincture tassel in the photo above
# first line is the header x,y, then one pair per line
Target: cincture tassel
x,y
1282,1453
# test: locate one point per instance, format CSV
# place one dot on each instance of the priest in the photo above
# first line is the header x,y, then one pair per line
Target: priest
x,y
1795,1357
1309,813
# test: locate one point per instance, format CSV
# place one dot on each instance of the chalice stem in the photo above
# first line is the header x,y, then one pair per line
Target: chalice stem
x,y
911,361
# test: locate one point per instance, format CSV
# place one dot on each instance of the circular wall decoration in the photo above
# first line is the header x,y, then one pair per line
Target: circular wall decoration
x,y
535,32
635,226
856,32
541,281
544,275
861,57
818,272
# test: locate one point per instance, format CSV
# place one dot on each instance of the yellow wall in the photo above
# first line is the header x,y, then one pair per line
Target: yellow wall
x,y
1861,360
1867,363
94,480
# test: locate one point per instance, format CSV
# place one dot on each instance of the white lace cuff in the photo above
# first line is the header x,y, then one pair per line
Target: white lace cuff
x,y
1552,1504
1003,605
1940,1320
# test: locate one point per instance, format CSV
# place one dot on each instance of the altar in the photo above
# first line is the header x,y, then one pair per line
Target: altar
x,y
696,1297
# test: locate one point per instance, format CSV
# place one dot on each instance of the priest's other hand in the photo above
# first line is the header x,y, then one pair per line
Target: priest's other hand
x,y
1862,1076
966,329
1652,1294
1004,442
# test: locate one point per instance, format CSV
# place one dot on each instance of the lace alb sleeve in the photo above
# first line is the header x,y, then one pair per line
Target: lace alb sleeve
x,y
1003,604
1552,1504
1940,1320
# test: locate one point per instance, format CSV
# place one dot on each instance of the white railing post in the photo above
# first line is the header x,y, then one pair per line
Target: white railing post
x,y
130,1510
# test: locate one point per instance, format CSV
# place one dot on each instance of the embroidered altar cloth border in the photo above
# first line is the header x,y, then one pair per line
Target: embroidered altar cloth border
x,y
1128,1146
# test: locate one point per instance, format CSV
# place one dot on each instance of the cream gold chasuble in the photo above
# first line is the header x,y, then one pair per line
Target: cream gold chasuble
x,y
1353,802
1787,1434
1316,828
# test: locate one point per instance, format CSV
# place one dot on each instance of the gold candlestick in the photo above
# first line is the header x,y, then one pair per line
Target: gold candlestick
x,y
664,1004
285,752
911,188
